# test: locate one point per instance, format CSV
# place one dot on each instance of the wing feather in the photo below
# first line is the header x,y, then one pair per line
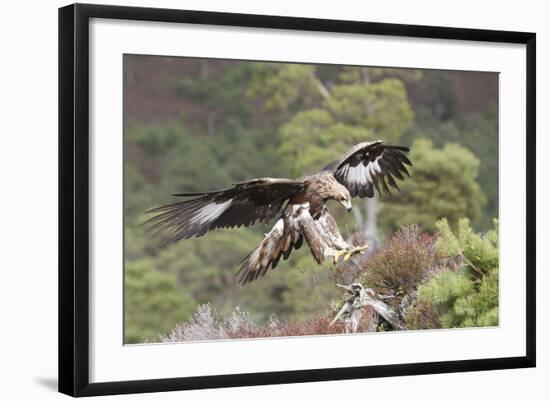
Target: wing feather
x,y
371,165
288,233
280,241
241,205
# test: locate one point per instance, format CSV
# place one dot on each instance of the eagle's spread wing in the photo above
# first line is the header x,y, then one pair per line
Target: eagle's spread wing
x,y
370,165
241,205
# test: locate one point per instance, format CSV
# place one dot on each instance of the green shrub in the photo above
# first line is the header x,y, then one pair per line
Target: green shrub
x,y
465,293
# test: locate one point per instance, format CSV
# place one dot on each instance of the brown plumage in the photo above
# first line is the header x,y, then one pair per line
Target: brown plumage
x,y
300,204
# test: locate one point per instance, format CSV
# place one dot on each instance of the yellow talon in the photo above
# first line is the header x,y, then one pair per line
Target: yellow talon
x,y
348,253
337,254
361,249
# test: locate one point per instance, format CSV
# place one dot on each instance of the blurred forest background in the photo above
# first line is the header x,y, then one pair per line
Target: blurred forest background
x,y
203,124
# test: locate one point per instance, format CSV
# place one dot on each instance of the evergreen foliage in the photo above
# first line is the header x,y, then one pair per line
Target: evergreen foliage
x,y
153,302
443,184
465,295
437,119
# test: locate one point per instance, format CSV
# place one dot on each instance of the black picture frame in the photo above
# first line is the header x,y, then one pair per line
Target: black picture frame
x,y
74,198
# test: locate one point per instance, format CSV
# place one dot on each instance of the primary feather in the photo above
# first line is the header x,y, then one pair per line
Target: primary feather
x,y
369,166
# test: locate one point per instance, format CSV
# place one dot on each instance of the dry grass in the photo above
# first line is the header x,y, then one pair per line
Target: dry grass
x,y
207,325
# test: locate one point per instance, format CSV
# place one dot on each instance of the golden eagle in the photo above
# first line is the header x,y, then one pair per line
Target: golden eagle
x,y
299,203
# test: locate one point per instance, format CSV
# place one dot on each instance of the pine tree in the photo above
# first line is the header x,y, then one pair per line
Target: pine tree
x,y
465,293
443,184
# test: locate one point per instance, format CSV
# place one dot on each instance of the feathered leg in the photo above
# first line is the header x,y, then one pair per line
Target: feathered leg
x,y
336,245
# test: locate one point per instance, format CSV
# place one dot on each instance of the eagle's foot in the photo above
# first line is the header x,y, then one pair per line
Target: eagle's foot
x,y
349,252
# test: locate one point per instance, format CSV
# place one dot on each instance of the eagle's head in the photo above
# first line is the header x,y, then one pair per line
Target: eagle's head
x,y
329,188
343,197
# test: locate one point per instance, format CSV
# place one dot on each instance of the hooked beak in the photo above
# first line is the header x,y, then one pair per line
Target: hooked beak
x,y
347,204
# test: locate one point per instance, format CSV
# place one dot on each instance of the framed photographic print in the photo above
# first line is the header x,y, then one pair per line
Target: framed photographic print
x,y
297,199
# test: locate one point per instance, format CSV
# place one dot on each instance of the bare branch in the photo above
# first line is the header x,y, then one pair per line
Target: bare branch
x,y
351,311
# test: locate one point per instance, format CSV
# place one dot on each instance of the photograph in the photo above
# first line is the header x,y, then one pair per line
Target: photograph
x,y
269,201
278,199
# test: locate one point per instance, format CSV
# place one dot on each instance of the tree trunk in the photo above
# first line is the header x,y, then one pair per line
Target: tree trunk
x,y
372,207
359,221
